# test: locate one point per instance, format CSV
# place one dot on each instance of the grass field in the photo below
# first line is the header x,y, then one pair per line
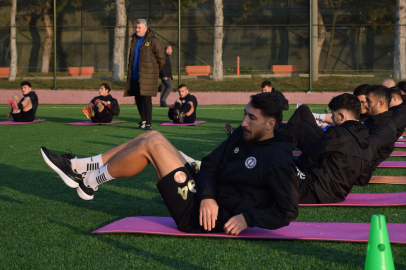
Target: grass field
x,y
45,225
297,84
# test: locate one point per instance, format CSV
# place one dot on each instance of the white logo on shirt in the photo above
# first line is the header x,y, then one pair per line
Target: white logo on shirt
x,y
236,150
183,101
300,174
250,162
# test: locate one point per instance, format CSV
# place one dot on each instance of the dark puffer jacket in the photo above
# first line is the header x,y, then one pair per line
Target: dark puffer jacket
x,y
152,59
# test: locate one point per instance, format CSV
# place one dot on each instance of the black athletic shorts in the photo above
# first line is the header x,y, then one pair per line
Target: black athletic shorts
x,y
27,116
101,117
184,205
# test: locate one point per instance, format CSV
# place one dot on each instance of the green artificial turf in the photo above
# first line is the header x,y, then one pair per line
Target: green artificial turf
x,y
45,225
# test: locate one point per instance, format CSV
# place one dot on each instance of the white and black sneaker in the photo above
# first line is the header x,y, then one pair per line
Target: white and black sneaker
x,y
85,192
61,165
141,125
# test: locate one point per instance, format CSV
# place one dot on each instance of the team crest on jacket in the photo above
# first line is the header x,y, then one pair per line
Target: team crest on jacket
x,y
250,162
236,150
147,43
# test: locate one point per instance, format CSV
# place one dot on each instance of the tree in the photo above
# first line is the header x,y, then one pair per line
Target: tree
x,y
119,40
218,41
13,45
335,6
46,57
399,54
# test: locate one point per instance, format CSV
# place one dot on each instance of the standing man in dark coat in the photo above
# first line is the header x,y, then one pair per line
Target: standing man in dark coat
x,y
166,77
146,59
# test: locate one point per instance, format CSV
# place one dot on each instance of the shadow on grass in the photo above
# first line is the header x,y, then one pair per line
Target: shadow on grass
x,y
157,257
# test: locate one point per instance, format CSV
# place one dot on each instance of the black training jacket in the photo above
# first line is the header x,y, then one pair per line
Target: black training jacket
x,y
256,179
399,118
114,109
167,68
340,159
382,136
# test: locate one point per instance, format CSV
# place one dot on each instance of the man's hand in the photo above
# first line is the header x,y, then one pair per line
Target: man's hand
x,y
165,78
208,214
103,102
235,225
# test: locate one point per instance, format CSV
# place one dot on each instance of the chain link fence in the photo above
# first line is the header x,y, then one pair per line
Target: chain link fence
x,y
356,36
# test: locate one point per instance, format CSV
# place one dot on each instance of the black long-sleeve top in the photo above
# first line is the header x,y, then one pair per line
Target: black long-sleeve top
x,y
114,109
256,179
336,162
382,136
399,118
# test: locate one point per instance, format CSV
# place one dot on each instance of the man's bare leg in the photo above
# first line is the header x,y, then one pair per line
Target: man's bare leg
x,y
92,163
131,160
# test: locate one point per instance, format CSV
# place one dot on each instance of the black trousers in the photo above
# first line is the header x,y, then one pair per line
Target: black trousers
x,y
144,103
304,114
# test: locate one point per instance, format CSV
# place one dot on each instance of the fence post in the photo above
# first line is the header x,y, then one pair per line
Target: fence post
x,y
179,49
315,44
55,87
238,65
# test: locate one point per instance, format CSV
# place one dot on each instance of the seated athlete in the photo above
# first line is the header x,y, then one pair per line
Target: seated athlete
x,y
266,87
101,109
249,180
24,109
382,132
184,109
398,108
340,159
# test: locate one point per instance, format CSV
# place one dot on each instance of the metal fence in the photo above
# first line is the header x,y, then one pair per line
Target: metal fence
x,y
262,33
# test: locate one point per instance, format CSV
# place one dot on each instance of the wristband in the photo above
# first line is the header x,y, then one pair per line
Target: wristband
x,y
108,106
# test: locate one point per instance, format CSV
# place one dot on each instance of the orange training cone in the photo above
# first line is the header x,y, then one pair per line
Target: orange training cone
x,y
379,253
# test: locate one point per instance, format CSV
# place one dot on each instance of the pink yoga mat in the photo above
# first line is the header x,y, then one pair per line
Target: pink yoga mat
x,y
394,153
401,140
90,123
369,199
349,232
392,164
400,145
187,124
11,122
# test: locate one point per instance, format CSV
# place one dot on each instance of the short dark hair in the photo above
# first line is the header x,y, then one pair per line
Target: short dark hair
x,y
182,85
380,91
268,103
395,90
25,83
360,90
106,86
402,86
266,83
167,46
348,102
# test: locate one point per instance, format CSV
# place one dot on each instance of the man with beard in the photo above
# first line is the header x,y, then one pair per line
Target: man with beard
x,y
101,109
249,180
184,108
382,132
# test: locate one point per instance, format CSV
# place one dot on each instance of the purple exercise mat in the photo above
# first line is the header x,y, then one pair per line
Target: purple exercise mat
x,y
187,124
11,122
394,153
349,232
392,164
401,140
400,145
369,199
90,123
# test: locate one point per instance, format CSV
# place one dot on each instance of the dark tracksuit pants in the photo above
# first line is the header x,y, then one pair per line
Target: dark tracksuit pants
x,y
144,103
